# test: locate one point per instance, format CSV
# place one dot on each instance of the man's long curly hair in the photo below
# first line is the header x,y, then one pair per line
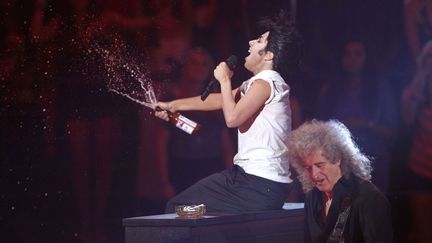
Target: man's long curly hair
x,y
336,143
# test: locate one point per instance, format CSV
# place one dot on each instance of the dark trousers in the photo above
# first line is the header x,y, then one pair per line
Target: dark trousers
x,y
233,191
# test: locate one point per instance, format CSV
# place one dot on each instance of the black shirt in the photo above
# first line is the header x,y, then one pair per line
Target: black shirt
x,y
369,219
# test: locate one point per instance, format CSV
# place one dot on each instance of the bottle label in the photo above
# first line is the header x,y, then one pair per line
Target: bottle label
x,y
185,124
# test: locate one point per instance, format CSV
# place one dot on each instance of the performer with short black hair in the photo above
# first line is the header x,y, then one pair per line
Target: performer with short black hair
x,y
260,178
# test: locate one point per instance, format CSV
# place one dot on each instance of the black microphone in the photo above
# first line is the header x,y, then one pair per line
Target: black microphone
x,y
231,63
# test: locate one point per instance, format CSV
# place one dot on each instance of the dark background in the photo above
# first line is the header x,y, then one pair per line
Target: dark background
x,y
38,103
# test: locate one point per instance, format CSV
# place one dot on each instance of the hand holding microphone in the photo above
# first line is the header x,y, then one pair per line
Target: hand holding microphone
x,y
231,63
164,111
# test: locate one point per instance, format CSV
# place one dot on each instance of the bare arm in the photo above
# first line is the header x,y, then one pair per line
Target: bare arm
x,y
213,102
238,113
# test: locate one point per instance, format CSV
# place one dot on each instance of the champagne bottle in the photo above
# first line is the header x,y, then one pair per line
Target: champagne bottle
x,y
182,122
178,120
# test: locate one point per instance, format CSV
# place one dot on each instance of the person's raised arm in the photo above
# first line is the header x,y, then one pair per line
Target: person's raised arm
x,y
238,113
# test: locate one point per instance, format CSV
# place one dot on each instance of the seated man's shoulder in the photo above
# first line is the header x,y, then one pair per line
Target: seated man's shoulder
x,y
370,194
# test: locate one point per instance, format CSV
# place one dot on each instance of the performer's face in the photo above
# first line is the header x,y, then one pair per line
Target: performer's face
x,y
322,171
255,59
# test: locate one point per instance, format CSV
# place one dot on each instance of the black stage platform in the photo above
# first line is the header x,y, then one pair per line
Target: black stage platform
x,y
285,225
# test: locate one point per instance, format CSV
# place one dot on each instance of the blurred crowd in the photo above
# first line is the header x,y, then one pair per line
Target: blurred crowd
x,y
76,158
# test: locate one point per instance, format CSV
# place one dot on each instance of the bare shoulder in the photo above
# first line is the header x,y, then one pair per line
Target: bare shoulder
x,y
260,84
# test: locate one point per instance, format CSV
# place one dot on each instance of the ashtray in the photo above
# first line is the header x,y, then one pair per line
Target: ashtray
x,y
190,211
